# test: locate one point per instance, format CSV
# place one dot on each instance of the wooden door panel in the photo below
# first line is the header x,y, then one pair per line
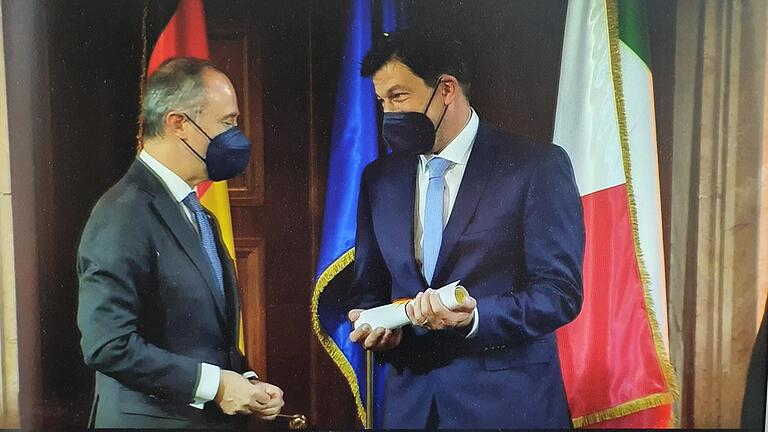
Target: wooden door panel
x,y
250,268
235,51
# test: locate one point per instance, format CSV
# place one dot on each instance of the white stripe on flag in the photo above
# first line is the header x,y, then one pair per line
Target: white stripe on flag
x,y
641,130
585,122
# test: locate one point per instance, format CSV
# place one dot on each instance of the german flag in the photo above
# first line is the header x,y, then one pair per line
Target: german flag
x,y
185,36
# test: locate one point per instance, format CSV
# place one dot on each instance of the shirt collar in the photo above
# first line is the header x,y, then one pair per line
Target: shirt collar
x,y
178,187
457,151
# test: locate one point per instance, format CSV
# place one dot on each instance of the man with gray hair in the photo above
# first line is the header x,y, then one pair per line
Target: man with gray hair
x,y
158,299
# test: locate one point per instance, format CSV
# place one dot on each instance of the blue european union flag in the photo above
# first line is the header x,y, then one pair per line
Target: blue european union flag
x,y
354,144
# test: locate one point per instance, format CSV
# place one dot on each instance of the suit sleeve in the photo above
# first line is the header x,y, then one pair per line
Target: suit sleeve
x,y
553,231
371,285
114,264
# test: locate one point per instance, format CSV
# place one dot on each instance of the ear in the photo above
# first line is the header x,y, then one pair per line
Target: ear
x,y
174,124
449,88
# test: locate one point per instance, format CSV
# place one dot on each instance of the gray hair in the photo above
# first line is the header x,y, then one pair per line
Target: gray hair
x,y
176,85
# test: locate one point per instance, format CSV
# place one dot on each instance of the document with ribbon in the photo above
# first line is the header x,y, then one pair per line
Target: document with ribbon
x,y
393,316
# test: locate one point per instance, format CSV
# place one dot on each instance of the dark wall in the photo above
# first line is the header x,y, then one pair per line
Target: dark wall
x,y
85,94
84,138
93,85
513,48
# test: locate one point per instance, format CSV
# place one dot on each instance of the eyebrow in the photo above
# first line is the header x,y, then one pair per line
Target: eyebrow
x,y
230,115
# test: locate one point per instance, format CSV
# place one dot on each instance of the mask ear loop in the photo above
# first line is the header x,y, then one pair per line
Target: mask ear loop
x,y
187,144
434,92
441,118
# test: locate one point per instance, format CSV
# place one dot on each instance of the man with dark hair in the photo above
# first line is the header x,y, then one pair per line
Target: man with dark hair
x,y
158,299
458,199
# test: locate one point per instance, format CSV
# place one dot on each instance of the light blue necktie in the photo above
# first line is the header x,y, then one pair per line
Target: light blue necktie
x,y
433,215
206,238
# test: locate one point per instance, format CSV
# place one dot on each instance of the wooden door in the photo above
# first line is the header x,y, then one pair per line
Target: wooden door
x,y
263,48
236,52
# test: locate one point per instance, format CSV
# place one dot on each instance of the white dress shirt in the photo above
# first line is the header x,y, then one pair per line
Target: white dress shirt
x,y
210,374
457,151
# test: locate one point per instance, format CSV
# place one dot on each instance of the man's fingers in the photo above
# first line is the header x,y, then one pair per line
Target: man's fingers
x,y
374,338
418,314
436,304
469,304
260,396
274,391
268,417
410,313
354,314
270,412
360,334
426,306
273,404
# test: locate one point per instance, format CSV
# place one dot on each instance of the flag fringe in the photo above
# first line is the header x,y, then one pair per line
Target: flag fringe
x,y
615,59
326,341
624,409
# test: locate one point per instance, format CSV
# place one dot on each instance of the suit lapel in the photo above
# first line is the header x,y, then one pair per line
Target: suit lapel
x,y
398,217
473,184
170,213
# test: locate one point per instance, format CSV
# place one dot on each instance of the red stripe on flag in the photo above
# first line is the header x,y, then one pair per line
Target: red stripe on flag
x,y
184,36
607,354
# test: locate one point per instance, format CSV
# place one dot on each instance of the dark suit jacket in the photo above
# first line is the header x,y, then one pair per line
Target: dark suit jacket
x,y
149,310
515,239
753,407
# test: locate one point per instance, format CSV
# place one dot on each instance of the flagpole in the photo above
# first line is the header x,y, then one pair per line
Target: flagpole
x,y
368,390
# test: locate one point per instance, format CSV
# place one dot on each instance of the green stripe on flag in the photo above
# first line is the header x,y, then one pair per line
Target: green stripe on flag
x,y
633,28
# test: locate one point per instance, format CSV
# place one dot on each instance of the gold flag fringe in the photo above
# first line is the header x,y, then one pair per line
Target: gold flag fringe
x,y
328,344
621,410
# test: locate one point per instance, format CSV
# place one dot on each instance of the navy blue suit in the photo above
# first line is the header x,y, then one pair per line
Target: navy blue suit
x,y
515,239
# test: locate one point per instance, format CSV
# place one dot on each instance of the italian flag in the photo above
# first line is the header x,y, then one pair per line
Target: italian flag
x,y
185,35
614,356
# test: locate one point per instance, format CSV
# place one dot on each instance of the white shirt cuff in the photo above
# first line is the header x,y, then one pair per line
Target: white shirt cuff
x,y
208,386
475,322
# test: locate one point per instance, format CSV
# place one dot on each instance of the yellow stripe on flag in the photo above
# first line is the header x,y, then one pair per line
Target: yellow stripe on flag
x,y
216,200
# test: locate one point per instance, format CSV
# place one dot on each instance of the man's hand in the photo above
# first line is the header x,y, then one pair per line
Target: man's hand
x,y
380,339
427,310
270,409
236,395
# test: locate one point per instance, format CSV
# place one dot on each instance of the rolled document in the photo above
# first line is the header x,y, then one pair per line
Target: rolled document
x,y
393,316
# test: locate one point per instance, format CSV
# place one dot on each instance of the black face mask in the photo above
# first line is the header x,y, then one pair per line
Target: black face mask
x,y
411,132
227,155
